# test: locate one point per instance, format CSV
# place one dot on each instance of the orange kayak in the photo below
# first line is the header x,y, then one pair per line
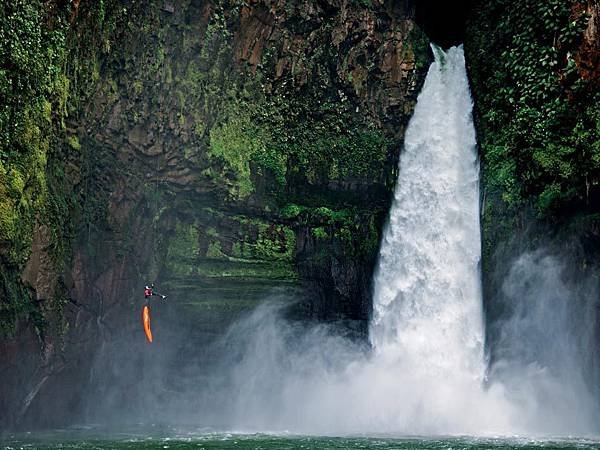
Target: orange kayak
x,y
146,322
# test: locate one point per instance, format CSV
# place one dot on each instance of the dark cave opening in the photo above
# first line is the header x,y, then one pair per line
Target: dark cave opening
x,y
443,20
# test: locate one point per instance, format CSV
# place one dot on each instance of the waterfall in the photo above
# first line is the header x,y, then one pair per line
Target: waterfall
x,y
425,372
427,296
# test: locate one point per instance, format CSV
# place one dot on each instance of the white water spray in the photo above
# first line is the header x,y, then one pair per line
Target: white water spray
x,y
427,299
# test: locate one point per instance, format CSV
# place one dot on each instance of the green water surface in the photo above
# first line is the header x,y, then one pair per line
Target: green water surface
x,y
86,439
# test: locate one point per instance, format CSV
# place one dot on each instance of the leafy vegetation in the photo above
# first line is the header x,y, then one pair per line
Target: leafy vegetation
x,y
539,120
241,142
299,136
325,141
32,92
31,89
38,80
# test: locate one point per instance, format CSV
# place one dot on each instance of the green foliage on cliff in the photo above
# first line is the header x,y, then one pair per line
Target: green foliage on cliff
x,y
325,140
246,135
261,128
39,68
241,142
182,250
299,136
32,91
272,142
538,119
257,251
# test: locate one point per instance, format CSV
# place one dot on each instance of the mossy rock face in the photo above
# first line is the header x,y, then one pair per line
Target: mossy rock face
x,y
231,261
223,150
230,113
537,111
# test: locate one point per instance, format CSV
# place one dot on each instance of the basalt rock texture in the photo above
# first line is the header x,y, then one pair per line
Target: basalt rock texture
x,y
228,151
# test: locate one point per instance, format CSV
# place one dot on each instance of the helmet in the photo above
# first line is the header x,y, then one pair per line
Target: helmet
x,y
147,287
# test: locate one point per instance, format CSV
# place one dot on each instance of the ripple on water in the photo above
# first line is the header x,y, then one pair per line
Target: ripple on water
x,y
95,439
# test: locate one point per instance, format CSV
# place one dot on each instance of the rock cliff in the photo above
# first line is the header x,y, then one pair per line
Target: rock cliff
x,y
227,151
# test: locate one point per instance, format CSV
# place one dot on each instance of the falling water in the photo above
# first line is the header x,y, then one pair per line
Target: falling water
x,y
427,300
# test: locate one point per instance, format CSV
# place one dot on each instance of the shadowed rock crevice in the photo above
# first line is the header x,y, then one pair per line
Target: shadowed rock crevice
x,y
443,21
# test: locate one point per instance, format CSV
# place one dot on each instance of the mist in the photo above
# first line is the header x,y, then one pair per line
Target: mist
x,y
284,376
544,351
270,373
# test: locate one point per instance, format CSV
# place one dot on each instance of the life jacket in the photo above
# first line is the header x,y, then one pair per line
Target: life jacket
x,y
147,292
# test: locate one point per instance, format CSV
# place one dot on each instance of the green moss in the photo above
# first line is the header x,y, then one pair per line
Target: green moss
x,y
319,233
73,141
326,139
137,87
326,215
248,270
182,249
275,243
37,91
214,250
199,126
235,141
258,142
291,211
537,118
240,142
236,250
535,111
210,231
8,214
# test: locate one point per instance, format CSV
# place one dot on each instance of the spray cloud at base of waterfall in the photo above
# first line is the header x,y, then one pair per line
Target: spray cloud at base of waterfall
x,y
283,375
544,352
312,381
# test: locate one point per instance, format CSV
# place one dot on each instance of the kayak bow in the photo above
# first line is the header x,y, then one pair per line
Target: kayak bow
x,y
146,322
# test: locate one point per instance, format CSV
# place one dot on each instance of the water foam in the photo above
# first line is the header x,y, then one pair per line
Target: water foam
x,y
427,298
